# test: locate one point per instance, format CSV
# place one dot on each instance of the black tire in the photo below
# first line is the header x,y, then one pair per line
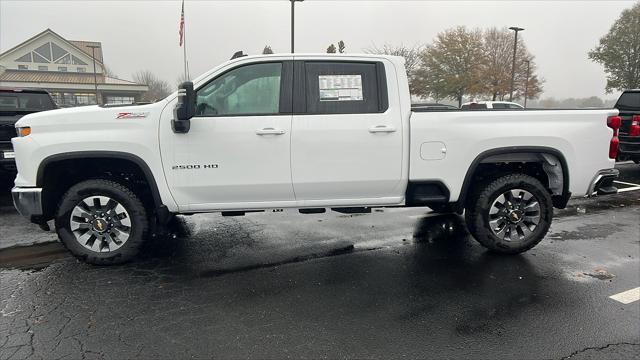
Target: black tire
x,y
481,201
136,212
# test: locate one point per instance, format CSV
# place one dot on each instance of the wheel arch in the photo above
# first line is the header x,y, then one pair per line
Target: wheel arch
x,y
47,166
519,154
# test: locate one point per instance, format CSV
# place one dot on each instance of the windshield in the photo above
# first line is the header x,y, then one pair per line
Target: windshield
x,y
15,101
629,101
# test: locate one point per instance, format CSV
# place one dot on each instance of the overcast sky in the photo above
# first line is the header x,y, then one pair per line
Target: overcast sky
x,y
144,34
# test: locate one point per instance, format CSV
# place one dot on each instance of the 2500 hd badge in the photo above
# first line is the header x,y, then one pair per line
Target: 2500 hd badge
x,y
194,167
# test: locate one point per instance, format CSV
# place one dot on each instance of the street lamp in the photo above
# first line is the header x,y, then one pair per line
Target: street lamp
x,y
95,77
513,66
526,84
292,22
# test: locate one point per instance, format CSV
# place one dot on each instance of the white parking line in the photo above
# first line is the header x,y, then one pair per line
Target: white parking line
x,y
627,297
629,189
626,183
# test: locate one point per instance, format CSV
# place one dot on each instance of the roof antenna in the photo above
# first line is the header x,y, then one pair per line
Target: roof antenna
x,y
238,54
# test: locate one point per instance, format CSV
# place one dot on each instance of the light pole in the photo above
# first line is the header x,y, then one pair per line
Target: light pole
x,y
95,77
293,2
526,84
513,66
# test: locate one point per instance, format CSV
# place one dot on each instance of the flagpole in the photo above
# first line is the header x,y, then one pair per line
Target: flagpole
x,y
184,44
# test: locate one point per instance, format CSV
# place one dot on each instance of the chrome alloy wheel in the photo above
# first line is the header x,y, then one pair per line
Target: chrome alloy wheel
x,y
100,224
514,215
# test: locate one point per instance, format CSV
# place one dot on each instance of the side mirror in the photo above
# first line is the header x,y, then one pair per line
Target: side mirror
x,y
185,109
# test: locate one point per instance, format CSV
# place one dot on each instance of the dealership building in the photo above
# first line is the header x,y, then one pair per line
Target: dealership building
x,y
65,68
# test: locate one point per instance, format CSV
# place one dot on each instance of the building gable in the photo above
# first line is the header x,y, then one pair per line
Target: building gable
x,y
50,52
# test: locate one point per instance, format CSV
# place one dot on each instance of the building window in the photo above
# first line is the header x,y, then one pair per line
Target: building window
x,y
120,100
43,68
23,67
62,68
65,99
81,69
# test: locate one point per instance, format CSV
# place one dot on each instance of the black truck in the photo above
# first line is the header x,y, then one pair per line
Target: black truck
x,y
629,106
14,104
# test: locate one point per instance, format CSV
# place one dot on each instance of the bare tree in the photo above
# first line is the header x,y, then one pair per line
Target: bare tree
x,y
108,72
158,89
182,78
411,57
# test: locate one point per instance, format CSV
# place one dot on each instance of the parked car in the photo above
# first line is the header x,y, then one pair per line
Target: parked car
x,y
431,106
491,105
249,136
629,106
14,104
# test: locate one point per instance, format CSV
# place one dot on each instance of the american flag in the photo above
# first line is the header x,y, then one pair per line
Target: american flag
x,y
181,32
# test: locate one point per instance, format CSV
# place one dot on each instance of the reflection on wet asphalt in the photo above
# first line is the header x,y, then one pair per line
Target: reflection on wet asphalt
x,y
396,283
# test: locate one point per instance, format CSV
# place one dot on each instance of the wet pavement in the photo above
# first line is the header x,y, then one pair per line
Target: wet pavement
x,y
393,283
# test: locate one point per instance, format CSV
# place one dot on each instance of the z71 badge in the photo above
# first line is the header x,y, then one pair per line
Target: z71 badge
x,y
132,115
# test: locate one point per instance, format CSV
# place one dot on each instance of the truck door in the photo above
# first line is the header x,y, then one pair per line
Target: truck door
x,y
346,140
237,152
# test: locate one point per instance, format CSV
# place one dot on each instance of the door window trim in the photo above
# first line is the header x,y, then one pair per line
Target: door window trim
x,y
286,89
300,87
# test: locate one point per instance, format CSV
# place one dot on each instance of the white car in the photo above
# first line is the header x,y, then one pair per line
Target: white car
x,y
492,105
309,132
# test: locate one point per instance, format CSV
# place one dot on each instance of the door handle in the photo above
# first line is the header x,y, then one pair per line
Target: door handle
x,y
382,128
270,131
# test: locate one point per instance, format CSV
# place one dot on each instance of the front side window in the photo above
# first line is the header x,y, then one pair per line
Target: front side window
x,y
500,106
251,89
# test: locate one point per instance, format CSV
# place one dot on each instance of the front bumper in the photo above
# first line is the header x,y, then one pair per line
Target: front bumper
x,y
602,183
7,157
28,201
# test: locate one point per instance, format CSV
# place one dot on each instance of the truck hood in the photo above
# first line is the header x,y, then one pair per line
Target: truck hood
x,y
90,115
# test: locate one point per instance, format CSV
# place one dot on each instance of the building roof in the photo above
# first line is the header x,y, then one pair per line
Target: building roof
x,y
80,45
84,46
60,77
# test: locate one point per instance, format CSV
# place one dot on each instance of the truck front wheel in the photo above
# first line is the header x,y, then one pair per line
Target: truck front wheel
x,y
511,214
101,222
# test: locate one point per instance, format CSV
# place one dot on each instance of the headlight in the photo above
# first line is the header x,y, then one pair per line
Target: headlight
x,y
23,131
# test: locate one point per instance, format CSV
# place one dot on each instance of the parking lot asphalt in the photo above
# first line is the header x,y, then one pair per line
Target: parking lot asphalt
x,y
391,284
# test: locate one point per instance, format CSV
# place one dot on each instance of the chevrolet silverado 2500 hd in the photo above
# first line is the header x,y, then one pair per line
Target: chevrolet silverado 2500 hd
x,y
308,132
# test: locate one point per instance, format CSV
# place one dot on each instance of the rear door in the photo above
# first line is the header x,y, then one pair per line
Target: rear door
x,y
346,140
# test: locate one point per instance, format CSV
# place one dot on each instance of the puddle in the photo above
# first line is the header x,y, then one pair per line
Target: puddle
x,y
588,232
36,257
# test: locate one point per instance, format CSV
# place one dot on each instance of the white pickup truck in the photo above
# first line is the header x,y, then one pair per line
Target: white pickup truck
x,y
309,132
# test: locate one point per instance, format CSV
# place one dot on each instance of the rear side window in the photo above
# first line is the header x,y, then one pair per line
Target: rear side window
x,y
25,101
345,88
500,106
629,100
474,106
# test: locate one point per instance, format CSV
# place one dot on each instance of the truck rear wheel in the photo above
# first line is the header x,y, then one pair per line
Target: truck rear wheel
x,y
511,214
101,222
